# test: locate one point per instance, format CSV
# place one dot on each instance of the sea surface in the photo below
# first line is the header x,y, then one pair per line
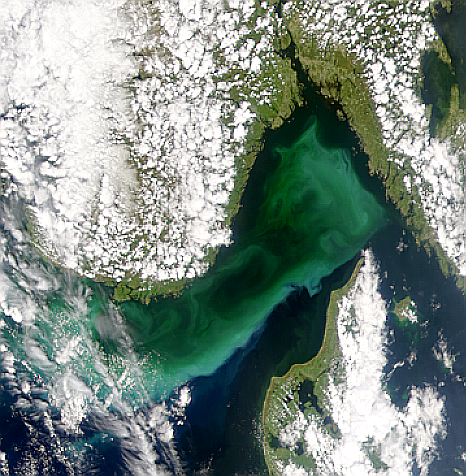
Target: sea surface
x,y
88,386
83,393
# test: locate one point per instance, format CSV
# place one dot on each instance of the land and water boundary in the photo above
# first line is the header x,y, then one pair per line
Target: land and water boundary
x,y
302,387
338,78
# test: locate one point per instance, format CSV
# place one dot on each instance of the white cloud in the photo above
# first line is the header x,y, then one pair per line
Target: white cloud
x,y
363,411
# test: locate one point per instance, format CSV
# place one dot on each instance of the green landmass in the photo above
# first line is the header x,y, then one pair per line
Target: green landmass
x,y
303,388
275,76
339,77
449,18
440,91
373,452
403,308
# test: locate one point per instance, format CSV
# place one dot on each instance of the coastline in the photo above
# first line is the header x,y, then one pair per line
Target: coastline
x,y
285,389
170,217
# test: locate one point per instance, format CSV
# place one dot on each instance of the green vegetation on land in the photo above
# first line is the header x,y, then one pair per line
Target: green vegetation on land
x,y
340,77
403,308
373,452
278,81
276,90
285,396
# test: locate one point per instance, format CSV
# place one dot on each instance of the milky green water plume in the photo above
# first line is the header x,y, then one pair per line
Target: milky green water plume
x,y
315,217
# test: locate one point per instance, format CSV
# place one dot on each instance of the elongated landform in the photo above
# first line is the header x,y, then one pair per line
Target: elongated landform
x,y
301,391
387,72
142,193
338,414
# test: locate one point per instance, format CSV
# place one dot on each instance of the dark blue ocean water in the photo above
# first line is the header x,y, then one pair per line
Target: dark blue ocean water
x,y
68,408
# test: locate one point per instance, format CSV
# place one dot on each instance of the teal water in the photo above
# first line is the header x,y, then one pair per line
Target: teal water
x,y
88,376
315,217
92,371
225,416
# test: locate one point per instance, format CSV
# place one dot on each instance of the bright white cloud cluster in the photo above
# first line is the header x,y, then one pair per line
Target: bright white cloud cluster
x,y
61,96
369,424
114,129
52,366
184,151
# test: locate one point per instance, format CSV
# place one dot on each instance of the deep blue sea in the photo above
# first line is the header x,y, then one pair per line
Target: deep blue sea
x,y
91,387
75,397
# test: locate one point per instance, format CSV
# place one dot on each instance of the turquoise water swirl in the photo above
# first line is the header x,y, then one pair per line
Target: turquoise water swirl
x,y
315,217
